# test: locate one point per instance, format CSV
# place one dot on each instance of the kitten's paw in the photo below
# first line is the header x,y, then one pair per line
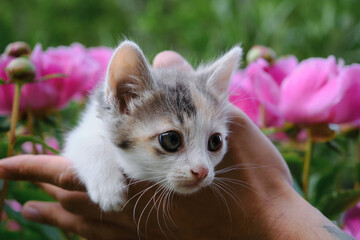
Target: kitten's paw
x,y
109,198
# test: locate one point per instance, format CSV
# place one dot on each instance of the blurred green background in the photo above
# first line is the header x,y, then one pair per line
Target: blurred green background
x,y
197,29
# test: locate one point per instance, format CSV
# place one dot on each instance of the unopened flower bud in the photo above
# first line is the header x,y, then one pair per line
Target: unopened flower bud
x,y
259,51
20,70
17,49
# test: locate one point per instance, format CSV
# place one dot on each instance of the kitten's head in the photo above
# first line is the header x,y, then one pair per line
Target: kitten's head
x,y
169,125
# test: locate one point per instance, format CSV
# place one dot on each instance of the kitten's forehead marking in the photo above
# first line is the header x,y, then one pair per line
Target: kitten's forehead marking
x,y
180,100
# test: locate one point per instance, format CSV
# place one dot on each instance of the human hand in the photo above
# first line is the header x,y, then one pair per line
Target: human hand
x,y
193,216
251,198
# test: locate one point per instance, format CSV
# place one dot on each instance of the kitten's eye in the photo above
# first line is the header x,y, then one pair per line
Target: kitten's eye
x,y
215,142
170,141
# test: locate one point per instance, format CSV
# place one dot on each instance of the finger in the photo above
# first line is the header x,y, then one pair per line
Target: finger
x,y
80,203
73,201
53,214
56,170
170,59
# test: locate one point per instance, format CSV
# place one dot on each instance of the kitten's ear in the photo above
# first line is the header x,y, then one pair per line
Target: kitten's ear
x,y
218,74
127,76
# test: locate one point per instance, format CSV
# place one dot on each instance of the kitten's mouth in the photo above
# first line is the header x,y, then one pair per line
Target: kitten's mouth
x,y
191,185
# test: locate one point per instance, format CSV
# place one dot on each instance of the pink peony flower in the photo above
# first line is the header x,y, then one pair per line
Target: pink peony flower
x,y
259,85
13,225
15,205
102,56
83,69
6,91
321,91
352,222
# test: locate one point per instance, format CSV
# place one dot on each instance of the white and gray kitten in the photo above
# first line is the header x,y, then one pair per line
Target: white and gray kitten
x,y
168,126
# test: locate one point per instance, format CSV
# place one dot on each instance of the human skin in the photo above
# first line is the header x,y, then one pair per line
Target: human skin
x,y
256,199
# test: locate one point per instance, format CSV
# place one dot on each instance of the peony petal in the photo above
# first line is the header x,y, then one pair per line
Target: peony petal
x,y
352,222
348,107
240,97
282,68
310,91
263,87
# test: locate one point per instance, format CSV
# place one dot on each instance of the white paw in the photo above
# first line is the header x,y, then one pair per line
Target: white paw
x,y
110,197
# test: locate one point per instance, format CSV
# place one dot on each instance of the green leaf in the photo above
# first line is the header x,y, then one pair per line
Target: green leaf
x,y
326,183
336,147
4,124
33,230
270,131
24,195
27,138
295,163
357,171
2,81
9,235
335,203
3,149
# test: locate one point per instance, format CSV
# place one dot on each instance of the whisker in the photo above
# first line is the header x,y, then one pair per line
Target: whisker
x,y
152,199
243,166
143,191
157,212
217,192
238,182
226,190
166,206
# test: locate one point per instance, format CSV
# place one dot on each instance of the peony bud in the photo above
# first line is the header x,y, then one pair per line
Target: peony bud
x,y
18,49
20,69
259,51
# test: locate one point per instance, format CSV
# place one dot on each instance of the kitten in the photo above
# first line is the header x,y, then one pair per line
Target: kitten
x,y
168,126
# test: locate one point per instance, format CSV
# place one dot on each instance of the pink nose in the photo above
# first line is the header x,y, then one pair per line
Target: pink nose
x,y
200,173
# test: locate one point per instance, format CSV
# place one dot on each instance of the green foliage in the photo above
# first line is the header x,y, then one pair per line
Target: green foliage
x,y
26,191
334,173
197,29
29,230
335,203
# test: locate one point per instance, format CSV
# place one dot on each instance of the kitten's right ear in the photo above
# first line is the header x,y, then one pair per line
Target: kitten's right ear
x,y
127,76
218,74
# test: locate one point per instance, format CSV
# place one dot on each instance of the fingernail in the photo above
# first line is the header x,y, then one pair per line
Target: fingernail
x,y
30,213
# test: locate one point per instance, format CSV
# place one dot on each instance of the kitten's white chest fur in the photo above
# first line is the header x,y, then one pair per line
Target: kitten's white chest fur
x,y
161,125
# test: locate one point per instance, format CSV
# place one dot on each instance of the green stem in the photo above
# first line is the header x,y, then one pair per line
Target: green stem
x,y
51,76
12,138
30,122
306,167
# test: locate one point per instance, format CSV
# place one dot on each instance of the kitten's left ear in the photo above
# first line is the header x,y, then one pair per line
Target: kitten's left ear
x,y
218,73
128,75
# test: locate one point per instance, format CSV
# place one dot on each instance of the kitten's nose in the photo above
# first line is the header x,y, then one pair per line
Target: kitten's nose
x,y
200,173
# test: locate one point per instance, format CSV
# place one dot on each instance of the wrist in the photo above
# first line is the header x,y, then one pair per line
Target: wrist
x,y
289,216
